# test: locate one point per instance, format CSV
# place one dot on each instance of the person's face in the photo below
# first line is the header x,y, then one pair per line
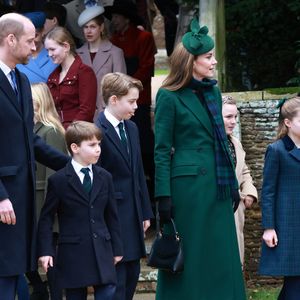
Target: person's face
x,y
123,108
293,126
49,25
23,47
204,66
38,40
92,31
229,112
119,22
88,152
57,52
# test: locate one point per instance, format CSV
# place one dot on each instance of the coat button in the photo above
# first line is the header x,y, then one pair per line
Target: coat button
x,y
95,235
92,206
92,221
203,171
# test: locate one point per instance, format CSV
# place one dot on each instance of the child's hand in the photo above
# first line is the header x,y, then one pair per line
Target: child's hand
x,y
146,225
270,238
46,261
117,259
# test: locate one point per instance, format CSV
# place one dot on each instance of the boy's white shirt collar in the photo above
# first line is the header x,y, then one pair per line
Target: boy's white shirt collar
x,y
112,119
77,167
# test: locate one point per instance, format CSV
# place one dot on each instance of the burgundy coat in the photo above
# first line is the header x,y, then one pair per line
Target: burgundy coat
x,y
75,96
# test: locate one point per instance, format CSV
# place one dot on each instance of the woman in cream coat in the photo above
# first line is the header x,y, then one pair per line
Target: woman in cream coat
x,y
248,192
98,52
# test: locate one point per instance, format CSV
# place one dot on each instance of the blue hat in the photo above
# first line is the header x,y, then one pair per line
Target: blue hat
x,y
38,18
197,41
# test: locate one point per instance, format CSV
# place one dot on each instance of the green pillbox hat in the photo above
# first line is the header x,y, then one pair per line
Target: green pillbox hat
x,y
197,41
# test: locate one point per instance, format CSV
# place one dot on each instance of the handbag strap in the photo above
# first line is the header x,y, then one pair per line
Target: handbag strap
x,y
175,232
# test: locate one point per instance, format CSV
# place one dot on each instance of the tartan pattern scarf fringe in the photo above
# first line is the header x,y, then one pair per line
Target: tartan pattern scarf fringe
x,y
224,165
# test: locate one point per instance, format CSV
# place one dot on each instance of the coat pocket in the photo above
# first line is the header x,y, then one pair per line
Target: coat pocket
x,y
184,171
69,239
8,171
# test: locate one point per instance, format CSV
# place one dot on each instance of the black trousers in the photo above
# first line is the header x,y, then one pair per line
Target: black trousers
x,y
290,289
127,277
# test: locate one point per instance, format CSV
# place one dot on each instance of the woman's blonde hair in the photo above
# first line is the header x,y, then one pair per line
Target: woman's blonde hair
x,y
61,35
288,110
181,69
45,111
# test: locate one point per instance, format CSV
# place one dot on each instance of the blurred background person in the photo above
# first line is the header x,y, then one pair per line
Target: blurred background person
x,y
56,15
98,52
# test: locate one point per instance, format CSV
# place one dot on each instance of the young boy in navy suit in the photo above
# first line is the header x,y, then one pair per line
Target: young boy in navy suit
x,y
121,156
82,196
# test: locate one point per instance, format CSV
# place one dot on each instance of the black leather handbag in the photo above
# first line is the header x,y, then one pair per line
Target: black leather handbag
x,y
166,252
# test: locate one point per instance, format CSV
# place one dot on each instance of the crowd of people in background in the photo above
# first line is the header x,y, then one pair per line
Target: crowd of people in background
x,y
76,98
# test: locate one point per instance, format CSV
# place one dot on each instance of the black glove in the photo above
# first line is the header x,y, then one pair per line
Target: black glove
x,y
235,199
164,209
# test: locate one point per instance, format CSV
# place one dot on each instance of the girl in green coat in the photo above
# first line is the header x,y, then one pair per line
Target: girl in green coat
x,y
195,177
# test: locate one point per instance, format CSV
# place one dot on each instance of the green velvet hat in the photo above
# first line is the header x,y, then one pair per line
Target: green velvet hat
x,y
196,41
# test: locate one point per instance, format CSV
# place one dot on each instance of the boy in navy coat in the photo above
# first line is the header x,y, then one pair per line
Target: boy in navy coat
x,y
82,196
121,156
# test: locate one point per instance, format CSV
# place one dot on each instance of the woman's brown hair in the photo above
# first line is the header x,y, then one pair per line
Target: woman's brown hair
x,y
181,69
288,110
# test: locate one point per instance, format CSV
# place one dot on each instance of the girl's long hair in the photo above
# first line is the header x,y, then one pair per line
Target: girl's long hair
x,y
288,110
181,69
45,111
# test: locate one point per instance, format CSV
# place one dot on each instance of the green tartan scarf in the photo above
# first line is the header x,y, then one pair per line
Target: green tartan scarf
x,y
224,165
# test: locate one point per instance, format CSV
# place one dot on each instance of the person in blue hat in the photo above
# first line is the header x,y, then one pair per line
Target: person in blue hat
x,y
40,66
195,180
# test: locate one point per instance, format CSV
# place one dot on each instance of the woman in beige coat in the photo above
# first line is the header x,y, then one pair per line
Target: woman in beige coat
x,y
248,192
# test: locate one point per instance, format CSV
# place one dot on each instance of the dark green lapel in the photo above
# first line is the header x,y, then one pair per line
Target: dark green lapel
x,y
192,102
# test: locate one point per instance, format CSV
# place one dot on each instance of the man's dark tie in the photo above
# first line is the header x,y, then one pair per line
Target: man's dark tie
x,y
14,81
122,135
87,182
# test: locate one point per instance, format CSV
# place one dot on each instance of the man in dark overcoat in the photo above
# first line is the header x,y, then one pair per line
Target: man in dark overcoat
x,y
18,152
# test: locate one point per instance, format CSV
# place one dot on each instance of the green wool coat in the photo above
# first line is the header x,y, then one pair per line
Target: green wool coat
x,y
185,170
57,141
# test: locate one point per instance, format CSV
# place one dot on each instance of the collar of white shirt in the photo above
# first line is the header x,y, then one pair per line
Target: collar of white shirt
x,y
77,167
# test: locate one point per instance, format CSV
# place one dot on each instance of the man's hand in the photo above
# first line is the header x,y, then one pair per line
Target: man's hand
x,y
7,213
146,225
46,262
270,238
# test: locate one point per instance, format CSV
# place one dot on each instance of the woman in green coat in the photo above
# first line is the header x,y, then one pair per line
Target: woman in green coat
x,y
195,177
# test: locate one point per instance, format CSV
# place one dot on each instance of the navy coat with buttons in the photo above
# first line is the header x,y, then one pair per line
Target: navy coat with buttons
x,y
89,230
280,203
131,192
20,147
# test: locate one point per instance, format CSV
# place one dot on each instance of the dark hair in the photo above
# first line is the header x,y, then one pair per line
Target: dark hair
x,y
55,9
79,131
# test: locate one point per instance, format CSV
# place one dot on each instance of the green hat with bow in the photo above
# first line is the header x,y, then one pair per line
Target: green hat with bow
x,y
196,41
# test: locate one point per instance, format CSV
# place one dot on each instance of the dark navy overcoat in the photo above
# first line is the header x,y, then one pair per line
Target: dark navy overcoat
x,y
129,182
89,229
18,151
